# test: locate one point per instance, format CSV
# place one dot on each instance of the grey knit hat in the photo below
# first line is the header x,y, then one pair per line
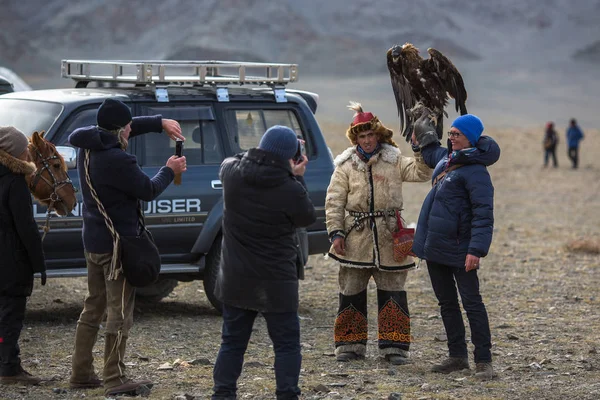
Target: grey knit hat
x,y
281,141
12,141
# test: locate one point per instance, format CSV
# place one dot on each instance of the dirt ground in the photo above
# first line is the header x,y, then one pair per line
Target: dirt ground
x,y
542,299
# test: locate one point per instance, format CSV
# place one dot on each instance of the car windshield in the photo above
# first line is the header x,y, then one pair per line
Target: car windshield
x,y
28,116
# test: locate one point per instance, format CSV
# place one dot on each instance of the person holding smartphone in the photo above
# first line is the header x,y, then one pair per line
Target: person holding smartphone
x,y
121,184
265,201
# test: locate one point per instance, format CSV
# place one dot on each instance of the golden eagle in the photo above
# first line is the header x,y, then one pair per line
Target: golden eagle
x,y
419,83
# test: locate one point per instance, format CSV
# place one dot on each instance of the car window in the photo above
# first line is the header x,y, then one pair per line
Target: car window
x,y
29,116
81,119
201,146
246,127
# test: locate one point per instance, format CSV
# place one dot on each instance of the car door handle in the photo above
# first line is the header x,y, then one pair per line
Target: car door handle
x,y
216,184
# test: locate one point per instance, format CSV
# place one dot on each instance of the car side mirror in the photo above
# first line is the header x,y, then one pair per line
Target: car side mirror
x,y
69,154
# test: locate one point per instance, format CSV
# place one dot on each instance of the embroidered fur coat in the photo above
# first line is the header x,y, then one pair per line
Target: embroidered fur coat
x,y
374,186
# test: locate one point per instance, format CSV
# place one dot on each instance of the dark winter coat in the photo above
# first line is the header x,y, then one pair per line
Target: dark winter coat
x,y
21,253
457,216
118,180
550,139
264,204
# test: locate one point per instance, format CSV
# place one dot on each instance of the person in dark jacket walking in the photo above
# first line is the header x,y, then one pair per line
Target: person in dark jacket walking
x,y
265,201
550,142
20,249
120,184
454,232
574,136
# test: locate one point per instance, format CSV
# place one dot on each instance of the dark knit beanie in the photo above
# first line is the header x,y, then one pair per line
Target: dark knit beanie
x,y
470,126
12,141
281,141
113,114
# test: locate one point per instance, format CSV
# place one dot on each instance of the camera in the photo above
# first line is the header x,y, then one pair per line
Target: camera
x,y
300,152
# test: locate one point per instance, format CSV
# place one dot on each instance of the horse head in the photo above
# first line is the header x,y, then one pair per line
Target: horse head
x,y
50,183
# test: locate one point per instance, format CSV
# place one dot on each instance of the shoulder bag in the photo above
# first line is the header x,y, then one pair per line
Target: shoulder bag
x,y
137,255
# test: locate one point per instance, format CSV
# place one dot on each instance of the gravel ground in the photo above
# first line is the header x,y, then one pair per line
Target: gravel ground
x,y
542,301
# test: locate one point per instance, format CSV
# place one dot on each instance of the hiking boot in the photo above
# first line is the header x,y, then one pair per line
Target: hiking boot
x,y
347,356
22,377
451,364
484,371
92,383
131,388
397,359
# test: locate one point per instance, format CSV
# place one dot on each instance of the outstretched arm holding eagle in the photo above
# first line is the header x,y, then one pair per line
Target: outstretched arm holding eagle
x,y
421,85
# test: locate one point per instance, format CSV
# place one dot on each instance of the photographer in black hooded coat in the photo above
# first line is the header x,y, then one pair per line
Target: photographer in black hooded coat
x,y
265,201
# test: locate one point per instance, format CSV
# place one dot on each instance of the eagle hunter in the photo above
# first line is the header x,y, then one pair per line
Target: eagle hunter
x,y
421,85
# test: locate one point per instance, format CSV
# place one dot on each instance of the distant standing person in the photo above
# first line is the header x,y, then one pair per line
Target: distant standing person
x,y
550,142
455,231
574,136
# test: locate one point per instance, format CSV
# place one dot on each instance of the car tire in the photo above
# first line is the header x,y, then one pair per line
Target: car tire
x,y
157,291
211,270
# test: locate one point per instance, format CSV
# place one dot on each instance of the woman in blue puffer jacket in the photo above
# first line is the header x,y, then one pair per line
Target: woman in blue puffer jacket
x,y
455,231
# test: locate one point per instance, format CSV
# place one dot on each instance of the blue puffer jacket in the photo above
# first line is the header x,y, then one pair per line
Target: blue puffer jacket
x,y
457,216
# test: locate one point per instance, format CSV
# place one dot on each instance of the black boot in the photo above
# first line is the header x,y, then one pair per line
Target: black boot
x,y
351,328
393,326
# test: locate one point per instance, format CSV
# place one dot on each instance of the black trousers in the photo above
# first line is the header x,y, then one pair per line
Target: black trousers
x,y
574,156
551,152
445,280
284,330
12,314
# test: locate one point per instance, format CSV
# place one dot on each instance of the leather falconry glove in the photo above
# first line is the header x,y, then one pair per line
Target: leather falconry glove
x,y
425,132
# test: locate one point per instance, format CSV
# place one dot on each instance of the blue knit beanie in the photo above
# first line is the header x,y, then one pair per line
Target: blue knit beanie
x,y
113,114
470,125
281,141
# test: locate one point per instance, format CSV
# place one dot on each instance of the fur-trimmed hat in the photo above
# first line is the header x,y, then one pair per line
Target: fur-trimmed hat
x,y
13,141
113,114
366,121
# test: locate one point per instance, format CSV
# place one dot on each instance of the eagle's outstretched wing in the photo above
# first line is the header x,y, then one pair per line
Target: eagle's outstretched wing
x,y
450,78
403,92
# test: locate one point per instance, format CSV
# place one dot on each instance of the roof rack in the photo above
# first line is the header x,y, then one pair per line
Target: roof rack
x,y
170,72
180,72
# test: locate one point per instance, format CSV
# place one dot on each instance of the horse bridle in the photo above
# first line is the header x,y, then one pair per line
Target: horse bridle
x,y
55,184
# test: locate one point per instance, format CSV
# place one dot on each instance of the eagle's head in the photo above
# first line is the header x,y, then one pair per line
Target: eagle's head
x,y
395,52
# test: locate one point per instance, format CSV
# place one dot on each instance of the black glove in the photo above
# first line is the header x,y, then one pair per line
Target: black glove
x,y
43,278
424,129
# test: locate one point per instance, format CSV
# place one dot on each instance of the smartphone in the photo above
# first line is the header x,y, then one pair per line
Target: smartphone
x,y
301,151
178,153
179,148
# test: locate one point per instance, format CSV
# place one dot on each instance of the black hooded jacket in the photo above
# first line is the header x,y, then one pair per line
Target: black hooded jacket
x,y
21,253
264,204
118,180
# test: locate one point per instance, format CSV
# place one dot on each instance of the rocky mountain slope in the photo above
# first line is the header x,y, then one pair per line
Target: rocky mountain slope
x,y
532,60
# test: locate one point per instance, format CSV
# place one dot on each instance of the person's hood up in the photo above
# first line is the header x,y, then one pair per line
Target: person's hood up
x,y
485,152
260,168
10,164
93,138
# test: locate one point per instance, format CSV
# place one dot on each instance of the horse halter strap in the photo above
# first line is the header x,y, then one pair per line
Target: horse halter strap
x,y
55,185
